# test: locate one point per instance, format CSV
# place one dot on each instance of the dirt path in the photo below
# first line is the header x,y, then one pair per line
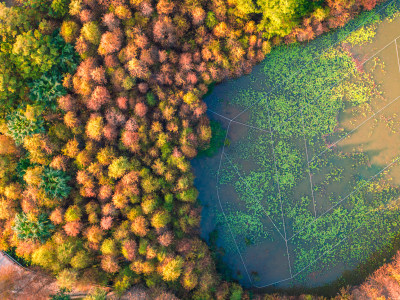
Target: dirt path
x,y
5,261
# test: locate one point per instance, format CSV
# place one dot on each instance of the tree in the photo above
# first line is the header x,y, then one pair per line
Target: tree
x,y
369,4
160,219
30,227
141,109
129,249
189,195
25,122
123,12
57,216
118,167
164,31
120,200
149,204
33,54
94,127
189,280
109,264
245,7
15,21
106,156
98,98
69,31
67,278
166,239
277,16
109,247
46,90
171,268
106,222
138,69
94,234
7,145
110,42
111,21
73,228
91,32
139,226
59,8
55,183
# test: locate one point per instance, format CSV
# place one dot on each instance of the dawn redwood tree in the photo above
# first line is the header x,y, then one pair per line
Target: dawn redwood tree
x,y
106,160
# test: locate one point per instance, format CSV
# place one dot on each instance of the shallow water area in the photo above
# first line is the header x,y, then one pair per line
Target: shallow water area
x,y
300,191
379,138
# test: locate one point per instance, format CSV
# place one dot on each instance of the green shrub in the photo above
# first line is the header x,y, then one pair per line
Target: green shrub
x,y
55,8
363,35
22,165
44,256
28,227
12,88
61,295
55,183
142,249
96,294
236,292
14,21
59,133
151,99
46,26
169,202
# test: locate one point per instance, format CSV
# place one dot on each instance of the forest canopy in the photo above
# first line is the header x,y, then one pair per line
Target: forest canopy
x,y
101,112
277,17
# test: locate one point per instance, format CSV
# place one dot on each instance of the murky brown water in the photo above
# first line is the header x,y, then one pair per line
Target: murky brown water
x,y
379,137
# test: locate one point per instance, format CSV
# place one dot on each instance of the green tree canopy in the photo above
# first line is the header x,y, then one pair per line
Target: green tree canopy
x,y
30,227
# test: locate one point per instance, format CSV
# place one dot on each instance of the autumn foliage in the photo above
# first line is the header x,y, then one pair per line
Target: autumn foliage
x,y
99,187
382,284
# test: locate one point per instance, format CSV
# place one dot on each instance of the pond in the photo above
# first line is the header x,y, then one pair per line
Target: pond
x,y
306,185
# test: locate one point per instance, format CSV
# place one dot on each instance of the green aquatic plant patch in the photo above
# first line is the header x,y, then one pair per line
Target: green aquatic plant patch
x,y
286,192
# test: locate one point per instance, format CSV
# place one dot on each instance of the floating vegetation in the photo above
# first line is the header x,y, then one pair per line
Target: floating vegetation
x,y
287,176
